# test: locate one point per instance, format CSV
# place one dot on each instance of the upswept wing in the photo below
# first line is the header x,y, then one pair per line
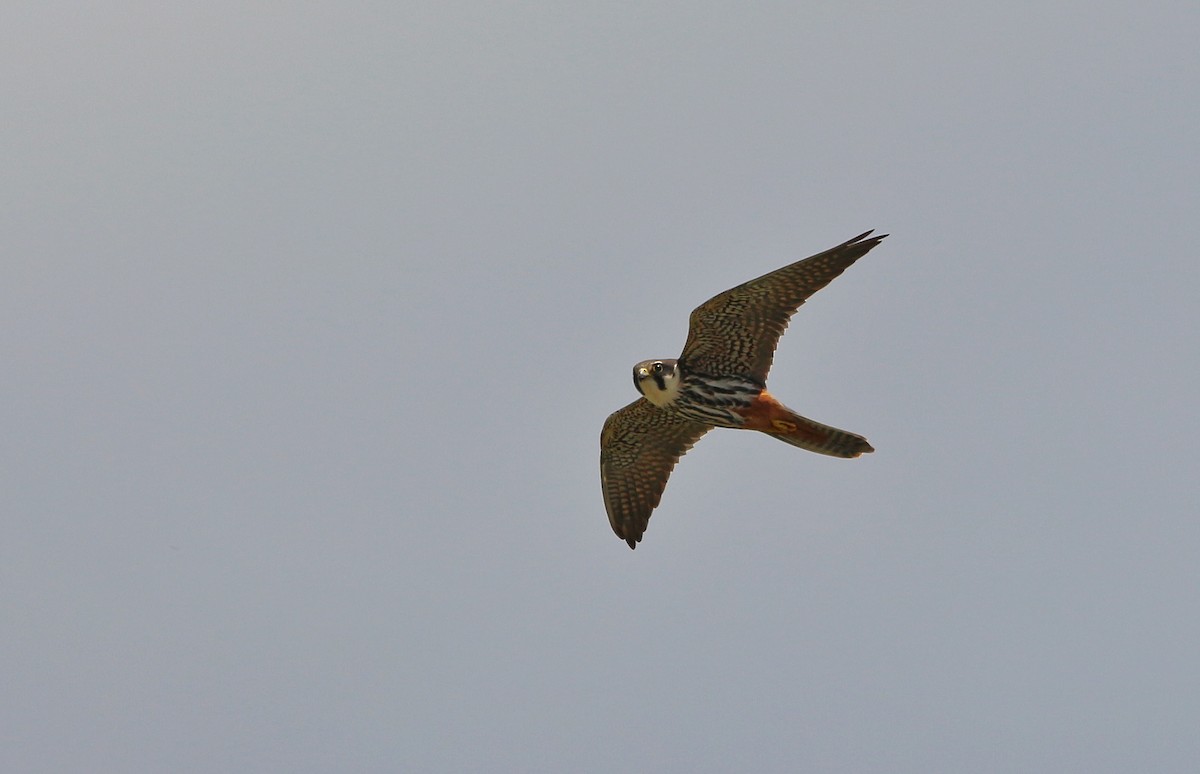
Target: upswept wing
x,y
735,332
639,447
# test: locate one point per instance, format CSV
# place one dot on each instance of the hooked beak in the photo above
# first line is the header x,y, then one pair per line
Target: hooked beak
x,y
639,374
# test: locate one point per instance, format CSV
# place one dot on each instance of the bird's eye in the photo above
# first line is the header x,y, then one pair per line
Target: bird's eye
x,y
657,368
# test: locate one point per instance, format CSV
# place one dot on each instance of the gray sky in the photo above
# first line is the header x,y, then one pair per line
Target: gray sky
x,y
311,315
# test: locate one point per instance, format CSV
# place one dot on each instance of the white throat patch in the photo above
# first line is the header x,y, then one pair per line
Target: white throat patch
x,y
661,397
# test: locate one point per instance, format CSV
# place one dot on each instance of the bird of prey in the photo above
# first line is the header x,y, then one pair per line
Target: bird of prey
x,y
718,381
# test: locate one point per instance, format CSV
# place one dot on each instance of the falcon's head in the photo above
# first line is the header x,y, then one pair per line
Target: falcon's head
x,y
658,380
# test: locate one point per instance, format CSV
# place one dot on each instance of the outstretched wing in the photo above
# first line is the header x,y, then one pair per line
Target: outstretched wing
x,y
639,447
735,332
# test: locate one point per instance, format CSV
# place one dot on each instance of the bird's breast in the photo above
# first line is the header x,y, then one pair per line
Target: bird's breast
x,y
717,400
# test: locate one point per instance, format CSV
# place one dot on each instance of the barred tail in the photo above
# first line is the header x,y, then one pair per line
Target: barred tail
x,y
792,428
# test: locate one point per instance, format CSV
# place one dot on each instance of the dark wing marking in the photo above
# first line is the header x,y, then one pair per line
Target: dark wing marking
x,y
639,447
735,332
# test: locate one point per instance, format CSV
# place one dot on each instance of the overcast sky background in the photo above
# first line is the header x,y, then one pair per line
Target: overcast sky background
x,y
310,315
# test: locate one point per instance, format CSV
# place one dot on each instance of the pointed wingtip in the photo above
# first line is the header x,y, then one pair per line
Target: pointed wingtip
x,y
862,237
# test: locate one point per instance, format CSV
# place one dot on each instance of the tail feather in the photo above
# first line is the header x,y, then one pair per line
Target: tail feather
x,y
768,415
799,431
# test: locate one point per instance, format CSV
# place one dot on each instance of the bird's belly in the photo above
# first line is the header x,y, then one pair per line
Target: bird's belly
x,y
717,400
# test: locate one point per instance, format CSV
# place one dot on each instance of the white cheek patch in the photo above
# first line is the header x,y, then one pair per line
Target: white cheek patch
x,y
665,396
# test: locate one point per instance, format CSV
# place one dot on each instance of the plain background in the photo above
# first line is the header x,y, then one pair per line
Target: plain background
x,y
310,315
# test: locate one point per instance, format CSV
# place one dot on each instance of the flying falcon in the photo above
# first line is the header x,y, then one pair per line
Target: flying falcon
x,y
718,381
